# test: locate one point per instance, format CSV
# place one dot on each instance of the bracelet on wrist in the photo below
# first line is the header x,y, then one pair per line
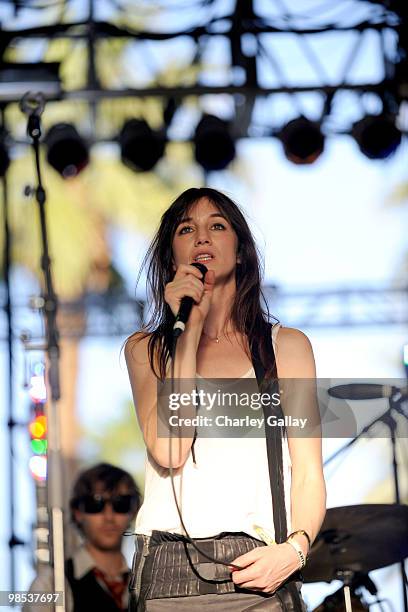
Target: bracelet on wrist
x,y
303,533
296,546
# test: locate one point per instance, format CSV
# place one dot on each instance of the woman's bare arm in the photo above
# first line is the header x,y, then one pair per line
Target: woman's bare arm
x,y
295,363
144,388
267,567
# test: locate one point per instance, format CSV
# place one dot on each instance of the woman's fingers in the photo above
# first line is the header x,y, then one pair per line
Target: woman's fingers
x,y
184,269
251,584
186,286
188,282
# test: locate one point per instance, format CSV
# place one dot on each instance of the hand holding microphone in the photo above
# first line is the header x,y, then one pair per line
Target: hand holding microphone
x,y
192,286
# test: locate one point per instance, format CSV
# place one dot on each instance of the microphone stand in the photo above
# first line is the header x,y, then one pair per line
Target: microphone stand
x,y
395,404
33,106
380,419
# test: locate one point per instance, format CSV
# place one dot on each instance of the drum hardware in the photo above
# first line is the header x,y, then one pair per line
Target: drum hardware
x,y
396,398
353,541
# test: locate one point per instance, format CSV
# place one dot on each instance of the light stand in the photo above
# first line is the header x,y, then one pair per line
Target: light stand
x,y
33,105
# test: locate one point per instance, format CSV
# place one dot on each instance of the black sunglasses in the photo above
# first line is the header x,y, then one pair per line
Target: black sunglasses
x,y
93,504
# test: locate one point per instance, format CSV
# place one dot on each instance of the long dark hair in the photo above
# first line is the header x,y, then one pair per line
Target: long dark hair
x,y
247,314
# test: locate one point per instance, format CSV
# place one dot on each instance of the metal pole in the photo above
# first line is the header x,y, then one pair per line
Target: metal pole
x,y
92,76
33,106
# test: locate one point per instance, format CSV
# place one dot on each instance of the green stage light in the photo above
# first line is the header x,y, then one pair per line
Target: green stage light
x,y
39,447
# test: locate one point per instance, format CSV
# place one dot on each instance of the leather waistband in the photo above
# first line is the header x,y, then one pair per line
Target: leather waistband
x,y
175,568
169,566
224,547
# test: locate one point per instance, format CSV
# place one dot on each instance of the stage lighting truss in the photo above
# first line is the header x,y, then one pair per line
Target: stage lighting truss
x,y
236,52
141,147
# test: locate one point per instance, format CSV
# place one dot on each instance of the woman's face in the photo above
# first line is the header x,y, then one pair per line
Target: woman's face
x,y
205,235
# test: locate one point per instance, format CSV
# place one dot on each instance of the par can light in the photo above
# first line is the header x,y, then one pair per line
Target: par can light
x,y
302,140
67,151
214,145
377,136
140,146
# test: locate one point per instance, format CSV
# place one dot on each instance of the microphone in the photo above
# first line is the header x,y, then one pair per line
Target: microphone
x,y
186,306
363,391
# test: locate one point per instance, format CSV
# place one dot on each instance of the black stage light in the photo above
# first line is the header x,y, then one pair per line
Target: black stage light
x,y
302,140
377,136
214,145
140,146
67,151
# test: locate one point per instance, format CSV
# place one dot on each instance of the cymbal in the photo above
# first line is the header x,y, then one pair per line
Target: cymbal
x,y
358,538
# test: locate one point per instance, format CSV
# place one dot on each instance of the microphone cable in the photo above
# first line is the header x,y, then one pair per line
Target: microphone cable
x,y
171,472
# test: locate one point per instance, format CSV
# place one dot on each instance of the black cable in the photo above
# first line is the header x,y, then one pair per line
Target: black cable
x,y
187,536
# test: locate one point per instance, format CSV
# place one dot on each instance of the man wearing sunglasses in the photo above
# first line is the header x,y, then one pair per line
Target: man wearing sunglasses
x,y
104,500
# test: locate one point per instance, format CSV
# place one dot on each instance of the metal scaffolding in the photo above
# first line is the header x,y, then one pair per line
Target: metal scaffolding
x,y
120,315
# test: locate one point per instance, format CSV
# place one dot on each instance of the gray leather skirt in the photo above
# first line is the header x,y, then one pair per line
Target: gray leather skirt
x,y
166,566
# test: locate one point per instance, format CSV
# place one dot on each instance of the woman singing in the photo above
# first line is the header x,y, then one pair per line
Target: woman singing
x,y
252,504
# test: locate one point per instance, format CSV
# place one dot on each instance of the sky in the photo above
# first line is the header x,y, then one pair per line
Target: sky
x,y
329,225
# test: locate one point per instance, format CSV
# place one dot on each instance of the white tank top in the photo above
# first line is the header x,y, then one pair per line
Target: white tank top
x,y
227,488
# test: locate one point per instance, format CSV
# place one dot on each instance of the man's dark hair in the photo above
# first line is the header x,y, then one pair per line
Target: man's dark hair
x,y
107,475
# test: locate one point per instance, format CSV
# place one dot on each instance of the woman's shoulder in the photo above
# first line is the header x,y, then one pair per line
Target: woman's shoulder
x,y
136,346
138,337
294,354
143,350
290,335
